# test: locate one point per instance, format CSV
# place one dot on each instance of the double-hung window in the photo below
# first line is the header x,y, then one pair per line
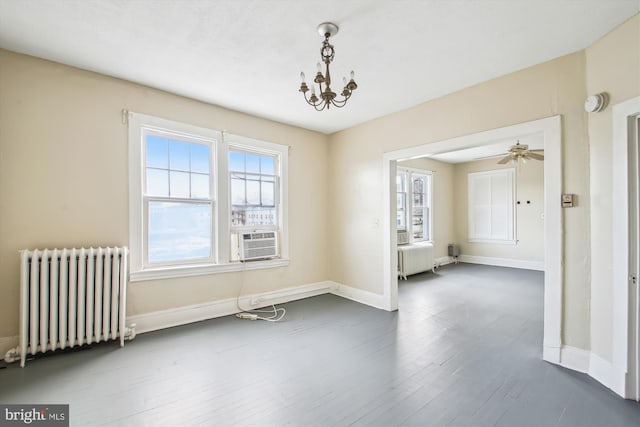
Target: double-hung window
x,y
192,189
413,203
401,201
254,189
421,206
177,198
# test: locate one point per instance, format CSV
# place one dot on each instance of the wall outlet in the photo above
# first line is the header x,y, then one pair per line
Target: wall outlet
x,y
255,301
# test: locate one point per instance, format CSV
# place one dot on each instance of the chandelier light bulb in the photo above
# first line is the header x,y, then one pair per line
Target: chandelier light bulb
x,y
313,90
344,80
352,74
319,67
302,77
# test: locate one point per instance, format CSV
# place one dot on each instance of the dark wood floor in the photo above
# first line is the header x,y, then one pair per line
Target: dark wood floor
x,y
464,349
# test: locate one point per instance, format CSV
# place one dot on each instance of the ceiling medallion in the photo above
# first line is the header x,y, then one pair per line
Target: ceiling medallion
x,y
327,97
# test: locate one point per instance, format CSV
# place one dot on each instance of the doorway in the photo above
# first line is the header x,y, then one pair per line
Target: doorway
x,y
626,249
550,128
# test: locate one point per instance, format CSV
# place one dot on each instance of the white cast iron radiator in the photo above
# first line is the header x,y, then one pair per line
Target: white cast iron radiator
x,y
71,297
415,258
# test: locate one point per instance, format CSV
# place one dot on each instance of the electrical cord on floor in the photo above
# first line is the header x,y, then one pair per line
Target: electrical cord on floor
x,y
275,314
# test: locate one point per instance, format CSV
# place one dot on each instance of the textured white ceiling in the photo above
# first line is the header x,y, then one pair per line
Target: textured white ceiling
x,y
247,54
490,149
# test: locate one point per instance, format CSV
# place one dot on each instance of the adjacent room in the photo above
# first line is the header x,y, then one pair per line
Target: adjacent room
x,y
320,213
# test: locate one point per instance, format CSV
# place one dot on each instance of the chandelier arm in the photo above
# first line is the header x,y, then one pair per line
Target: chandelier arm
x,y
340,102
319,105
314,105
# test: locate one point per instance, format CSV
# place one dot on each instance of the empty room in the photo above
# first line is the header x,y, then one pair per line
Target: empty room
x,y
329,213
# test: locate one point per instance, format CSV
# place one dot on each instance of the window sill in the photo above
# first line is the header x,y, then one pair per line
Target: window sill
x,y
201,270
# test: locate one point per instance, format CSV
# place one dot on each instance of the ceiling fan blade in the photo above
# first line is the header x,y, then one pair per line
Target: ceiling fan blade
x,y
505,160
535,156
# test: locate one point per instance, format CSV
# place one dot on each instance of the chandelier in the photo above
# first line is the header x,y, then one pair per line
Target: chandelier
x,y
326,97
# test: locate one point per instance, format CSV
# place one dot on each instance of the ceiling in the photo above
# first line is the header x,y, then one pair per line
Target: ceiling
x,y
490,149
246,55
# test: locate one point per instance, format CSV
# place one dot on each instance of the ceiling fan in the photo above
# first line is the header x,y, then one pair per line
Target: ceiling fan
x,y
517,152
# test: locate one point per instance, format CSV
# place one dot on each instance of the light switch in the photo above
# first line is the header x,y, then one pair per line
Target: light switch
x,y
569,200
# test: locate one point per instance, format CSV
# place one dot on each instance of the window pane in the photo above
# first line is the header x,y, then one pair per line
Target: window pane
x,y
418,185
268,193
252,163
399,183
267,165
236,161
237,191
179,184
260,216
179,231
200,186
157,182
199,158
253,189
157,152
400,200
179,155
238,216
253,192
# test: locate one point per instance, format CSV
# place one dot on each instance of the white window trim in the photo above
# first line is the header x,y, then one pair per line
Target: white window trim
x,y
512,240
409,201
232,141
189,136
220,198
233,146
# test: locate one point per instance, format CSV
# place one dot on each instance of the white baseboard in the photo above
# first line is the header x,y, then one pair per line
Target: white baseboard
x,y
359,295
601,370
575,358
444,261
503,262
551,354
589,363
6,344
194,313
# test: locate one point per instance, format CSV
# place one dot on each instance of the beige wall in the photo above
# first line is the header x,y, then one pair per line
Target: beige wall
x,y
557,87
443,204
613,66
64,183
529,222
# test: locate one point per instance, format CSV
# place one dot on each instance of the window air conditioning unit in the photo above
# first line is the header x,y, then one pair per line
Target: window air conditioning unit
x,y
403,237
253,246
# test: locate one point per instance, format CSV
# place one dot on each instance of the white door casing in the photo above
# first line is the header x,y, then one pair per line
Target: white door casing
x,y
625,334
551,129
